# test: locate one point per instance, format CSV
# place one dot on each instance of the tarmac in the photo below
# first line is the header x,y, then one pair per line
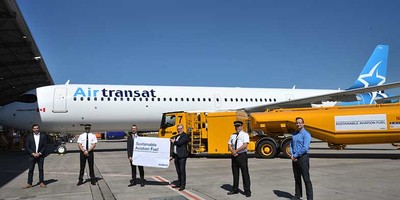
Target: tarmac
x,y
361,172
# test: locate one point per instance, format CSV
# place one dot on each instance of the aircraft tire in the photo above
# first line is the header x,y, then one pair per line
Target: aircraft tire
x,y
62,149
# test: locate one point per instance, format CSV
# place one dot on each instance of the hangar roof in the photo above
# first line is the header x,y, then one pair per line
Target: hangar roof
x,y
21,65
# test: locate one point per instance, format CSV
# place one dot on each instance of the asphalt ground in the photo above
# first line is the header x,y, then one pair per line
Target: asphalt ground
x,y
359,172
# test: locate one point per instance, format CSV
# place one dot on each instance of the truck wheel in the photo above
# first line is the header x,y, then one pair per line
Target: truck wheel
x,y
61,149
266,149
286,149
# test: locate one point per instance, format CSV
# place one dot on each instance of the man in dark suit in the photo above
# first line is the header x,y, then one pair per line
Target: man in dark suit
x,y
130,142
36,144
180,155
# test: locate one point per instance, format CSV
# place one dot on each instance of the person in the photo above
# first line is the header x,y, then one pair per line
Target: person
x,y
130,142
299,149
238,146
180,154
36,145
87,142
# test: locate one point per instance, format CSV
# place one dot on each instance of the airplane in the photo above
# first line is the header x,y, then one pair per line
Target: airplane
x,y
67,107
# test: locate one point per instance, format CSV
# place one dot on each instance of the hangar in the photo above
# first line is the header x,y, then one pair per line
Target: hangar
x,y
22,67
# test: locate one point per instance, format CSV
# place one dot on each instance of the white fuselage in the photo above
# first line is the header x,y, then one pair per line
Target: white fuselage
x,y
65,108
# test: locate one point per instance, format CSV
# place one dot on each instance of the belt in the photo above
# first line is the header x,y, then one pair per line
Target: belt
x,y
302,155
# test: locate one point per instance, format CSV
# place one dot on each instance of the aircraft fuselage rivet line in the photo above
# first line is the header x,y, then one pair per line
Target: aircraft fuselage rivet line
x,y
185,193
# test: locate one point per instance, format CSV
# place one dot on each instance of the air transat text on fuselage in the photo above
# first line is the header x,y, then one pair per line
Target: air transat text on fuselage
x,y
114,93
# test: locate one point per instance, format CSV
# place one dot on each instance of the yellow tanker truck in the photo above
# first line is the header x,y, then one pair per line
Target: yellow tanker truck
x,y
270,131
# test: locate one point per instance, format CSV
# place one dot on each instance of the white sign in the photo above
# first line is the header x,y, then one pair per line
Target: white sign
x,y
361,122
151,152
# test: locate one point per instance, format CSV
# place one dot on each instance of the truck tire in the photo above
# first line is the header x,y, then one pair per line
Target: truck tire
x,y
62,149
266,149
286,148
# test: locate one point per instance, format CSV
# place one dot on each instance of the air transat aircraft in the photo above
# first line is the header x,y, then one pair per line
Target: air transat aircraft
x,y
65,108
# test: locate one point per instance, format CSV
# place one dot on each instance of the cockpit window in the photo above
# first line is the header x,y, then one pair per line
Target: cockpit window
x,y
27,98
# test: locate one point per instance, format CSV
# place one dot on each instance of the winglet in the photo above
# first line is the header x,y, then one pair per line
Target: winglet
x,y
374,72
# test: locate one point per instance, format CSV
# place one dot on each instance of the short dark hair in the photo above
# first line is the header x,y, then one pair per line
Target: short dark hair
x,y
134,125
33,125
300,118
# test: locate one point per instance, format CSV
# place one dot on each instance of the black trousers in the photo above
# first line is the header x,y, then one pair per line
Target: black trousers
x,y
32,162
90,160
133,169
240,162
301,168
180,166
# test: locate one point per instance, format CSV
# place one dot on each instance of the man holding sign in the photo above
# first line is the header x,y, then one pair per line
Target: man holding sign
x,y
181,153
130,142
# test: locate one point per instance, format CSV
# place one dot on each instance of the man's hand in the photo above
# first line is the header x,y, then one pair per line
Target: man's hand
x,y
86,153
293,159
172,140
130,159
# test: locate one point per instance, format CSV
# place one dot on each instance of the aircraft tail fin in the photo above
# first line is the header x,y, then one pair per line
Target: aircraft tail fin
x,y
374,72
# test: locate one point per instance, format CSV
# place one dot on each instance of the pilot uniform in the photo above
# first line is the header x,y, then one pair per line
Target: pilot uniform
x,y
85,140
239,160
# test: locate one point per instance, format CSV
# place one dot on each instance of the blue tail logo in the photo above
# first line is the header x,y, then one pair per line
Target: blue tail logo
x,y
374,72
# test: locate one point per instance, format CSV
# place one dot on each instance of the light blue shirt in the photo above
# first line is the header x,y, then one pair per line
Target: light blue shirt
x,y
300,143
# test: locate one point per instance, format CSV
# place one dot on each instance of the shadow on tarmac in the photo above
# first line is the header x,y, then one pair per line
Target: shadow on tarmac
x,y
16,163
283,194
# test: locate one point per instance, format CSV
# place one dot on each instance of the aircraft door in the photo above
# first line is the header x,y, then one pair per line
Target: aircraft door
x,y
60,100
217,100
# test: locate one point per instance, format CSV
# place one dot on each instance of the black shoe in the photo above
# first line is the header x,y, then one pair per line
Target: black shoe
x,y
233,192
295,198
79,183
248,195
133,183
93,182
181,188
142,184
176,186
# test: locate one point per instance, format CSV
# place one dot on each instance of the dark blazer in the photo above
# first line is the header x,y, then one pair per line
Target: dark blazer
x,y
181,145
31,146
129,144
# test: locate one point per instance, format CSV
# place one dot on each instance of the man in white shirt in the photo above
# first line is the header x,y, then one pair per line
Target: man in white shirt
x,y
238,146
87,142
130,143
36,144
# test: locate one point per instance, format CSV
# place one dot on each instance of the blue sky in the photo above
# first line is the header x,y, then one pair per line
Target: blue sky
x,y
259,43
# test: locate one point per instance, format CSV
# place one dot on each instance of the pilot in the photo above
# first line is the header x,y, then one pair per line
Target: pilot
x,y
238,146
87,142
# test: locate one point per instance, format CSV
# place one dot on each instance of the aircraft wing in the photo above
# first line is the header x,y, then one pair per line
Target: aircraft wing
x,y
341,95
